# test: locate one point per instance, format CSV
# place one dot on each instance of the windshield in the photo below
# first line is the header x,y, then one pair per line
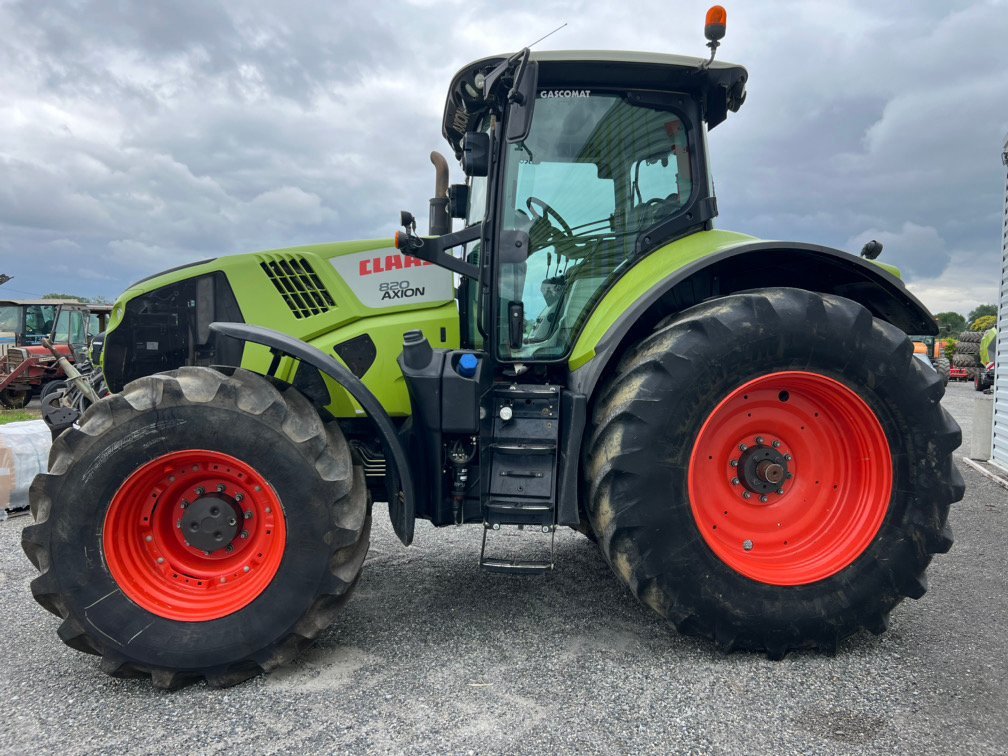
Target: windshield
x,y
594,172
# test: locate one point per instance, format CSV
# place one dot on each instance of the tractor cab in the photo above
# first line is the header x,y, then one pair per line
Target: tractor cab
x,y
25,322
577,164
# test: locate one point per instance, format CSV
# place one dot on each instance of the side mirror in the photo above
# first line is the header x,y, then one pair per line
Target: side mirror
x,y
476,153
458,200
522,99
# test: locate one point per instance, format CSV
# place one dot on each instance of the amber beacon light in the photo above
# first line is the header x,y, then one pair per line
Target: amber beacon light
x,y
715,23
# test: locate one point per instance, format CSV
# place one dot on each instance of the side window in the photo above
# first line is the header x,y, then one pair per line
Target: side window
x,y
77,335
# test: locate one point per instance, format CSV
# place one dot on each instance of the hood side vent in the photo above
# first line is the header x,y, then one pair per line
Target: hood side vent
x,y
298,283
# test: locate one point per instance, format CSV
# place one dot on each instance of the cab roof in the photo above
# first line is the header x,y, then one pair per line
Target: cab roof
x,y
25,302
719,88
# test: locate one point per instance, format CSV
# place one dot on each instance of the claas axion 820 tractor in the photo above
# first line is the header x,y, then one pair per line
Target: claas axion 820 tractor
x,y
739,424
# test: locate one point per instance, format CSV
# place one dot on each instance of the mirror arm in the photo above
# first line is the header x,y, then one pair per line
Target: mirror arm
x,y
433,249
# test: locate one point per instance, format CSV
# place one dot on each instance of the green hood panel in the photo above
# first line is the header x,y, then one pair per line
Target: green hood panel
x,y
328,294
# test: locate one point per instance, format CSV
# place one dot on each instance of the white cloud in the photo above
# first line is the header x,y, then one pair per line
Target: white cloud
x,y
138,136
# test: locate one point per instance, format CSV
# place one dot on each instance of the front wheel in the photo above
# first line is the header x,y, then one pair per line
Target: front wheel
x,y
773,470
14,398
197,525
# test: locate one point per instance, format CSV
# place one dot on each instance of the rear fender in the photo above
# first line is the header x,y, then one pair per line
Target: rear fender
x,y
402,494
733,269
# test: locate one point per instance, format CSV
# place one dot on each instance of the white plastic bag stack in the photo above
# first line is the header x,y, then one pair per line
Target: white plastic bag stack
x,y
24,453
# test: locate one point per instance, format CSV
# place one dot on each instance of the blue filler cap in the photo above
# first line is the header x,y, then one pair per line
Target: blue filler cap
x,y
467,365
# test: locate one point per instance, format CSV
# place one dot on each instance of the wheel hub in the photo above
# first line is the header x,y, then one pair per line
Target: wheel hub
x,y
194,535
763,469
211,523
790,478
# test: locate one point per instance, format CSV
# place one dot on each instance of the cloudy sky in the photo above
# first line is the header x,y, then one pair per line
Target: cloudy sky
x,y
136,135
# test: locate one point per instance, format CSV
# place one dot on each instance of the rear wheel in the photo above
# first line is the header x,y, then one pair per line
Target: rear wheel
x,y
224,532
754,484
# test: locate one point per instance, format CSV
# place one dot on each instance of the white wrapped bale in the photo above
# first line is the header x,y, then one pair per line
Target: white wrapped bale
x,y
24,453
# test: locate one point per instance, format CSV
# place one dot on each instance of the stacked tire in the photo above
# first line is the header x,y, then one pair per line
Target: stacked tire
x,y
967,354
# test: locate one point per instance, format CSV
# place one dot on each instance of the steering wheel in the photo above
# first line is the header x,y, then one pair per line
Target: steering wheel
x,y
547,212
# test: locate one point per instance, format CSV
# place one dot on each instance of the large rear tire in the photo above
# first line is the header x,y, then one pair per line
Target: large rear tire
x,y
197,525
699,420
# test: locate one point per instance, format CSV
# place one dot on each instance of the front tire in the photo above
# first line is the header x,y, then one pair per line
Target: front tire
x,y
794,384
197,525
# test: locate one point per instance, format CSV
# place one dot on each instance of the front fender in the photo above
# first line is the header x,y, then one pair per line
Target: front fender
x,y
402,495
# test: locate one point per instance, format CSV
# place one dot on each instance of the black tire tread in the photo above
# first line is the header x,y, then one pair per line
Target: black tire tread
x,y
618,410
247,392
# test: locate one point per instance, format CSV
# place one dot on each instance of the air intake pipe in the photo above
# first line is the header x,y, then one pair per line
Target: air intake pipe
x,y
440,220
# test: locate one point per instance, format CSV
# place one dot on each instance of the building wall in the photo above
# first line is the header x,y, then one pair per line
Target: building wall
x,y
999,453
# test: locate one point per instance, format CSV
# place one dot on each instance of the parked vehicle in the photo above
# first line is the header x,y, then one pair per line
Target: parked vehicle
x,y
739,424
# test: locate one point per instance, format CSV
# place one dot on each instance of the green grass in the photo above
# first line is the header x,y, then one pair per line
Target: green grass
x,y
15,416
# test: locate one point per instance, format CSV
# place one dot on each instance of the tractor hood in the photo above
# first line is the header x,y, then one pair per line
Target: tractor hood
x,y
367,293
718,88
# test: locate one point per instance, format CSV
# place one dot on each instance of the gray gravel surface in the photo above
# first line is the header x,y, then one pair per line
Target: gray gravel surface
x,y
432,655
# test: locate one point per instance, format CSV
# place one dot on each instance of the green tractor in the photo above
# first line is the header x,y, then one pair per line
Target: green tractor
x,y
739,424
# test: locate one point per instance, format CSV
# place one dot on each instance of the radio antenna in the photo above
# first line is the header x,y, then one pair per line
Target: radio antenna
x,y
547,35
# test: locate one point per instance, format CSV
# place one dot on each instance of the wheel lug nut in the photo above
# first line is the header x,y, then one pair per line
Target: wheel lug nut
x,y
776,444
734,481
780,490
742,447
185,503
759,439
221,488
239,497
747,545
248,515
734,463
200,491
746,495
788,457
764,499
244,534
790,475
229,548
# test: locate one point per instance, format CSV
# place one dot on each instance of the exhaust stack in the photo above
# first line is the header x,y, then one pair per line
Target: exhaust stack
x,y
440,220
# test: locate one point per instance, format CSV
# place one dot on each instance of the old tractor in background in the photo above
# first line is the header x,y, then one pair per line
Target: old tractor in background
x,y
739,424
26,366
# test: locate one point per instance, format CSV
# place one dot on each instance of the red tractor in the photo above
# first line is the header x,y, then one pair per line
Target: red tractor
x,y
26,366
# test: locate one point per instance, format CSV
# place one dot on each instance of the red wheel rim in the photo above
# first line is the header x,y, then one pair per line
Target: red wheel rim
x,y
195,495
835,476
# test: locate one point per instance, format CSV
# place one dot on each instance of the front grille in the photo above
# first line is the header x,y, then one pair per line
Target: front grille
x,y
295,280
14,358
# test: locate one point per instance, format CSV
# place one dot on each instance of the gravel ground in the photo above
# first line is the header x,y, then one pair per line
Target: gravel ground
x,y
432,655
